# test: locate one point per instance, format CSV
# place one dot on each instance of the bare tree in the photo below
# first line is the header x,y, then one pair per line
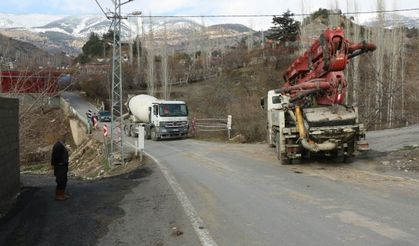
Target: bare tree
x,y
164,64
150,60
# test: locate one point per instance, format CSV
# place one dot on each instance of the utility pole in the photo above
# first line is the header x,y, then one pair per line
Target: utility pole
x,y
116,153
117,143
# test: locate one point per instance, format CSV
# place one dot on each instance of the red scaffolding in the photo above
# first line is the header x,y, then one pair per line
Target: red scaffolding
x,y
45,82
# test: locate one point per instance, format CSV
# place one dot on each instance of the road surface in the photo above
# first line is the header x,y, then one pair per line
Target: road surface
x,y
78,103
394,139
235,194
245,197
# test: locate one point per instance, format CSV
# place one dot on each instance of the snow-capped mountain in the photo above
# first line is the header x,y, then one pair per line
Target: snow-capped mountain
x,y
69,33
75,25
26,20
393,20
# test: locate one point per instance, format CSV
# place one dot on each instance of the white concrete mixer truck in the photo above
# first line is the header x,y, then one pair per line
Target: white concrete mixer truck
x,y
161,119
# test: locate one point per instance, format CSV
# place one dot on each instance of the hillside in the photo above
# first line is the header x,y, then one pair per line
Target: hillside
x,y
392,20
68,34
15,53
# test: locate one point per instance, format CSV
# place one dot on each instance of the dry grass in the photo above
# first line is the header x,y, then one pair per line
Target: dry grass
x,y
38,132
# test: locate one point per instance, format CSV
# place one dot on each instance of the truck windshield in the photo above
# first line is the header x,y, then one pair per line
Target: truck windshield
x,y
276,100
172,110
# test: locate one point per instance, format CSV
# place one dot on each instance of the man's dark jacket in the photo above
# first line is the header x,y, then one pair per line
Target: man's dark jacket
x,y
59,155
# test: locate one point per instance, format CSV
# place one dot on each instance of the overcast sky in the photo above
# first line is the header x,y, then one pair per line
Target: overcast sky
x,y
203,7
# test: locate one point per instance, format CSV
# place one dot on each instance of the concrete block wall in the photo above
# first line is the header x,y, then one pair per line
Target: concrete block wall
x,y
78,122
9,150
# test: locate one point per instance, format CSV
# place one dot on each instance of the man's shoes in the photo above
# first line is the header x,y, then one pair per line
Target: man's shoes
x,y
60,195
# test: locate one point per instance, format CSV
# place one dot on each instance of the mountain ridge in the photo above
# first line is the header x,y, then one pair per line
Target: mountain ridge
x,y
71,32
56,33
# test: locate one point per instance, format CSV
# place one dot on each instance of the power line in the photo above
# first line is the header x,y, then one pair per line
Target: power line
x,y
103,11
270,15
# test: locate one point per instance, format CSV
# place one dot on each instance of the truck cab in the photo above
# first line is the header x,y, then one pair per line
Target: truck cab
x,y
161,119
168,119
273,103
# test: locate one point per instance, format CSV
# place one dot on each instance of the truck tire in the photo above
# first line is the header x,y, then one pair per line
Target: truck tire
x,y
339,157
132,132
127,131
153,134
268,139
281,156
147,133
277,147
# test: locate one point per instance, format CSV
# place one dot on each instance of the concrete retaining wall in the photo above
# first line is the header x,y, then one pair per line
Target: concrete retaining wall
x,y
78,122
35,98
9,150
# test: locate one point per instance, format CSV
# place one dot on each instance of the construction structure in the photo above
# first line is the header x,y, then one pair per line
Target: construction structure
x,y
17,82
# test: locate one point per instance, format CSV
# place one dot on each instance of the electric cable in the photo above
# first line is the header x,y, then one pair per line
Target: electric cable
x,y
270,15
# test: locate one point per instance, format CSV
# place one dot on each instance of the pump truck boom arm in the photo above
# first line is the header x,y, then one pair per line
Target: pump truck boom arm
x,y
322,66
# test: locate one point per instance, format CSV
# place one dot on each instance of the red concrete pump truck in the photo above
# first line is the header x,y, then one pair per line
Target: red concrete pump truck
x,y
309,115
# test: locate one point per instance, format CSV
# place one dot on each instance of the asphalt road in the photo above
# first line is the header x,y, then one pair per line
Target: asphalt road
x,y
394,139
78,102
244,197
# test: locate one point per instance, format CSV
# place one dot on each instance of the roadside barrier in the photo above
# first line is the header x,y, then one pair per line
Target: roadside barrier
x,y
211,125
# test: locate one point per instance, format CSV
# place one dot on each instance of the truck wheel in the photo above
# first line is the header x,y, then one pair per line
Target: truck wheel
x,y
295,161
338,156
277,147
127,131
154,134
268,139
280,156
286,161
133,133
147,133
339,159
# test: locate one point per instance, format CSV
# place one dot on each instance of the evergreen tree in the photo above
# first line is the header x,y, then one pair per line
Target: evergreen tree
x,y
285,28
93,47
96,47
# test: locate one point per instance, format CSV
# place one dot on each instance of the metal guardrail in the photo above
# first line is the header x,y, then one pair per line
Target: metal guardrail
x,y
211,125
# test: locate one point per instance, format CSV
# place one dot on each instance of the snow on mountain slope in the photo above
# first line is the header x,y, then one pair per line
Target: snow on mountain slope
x,y
392,20
78,26
71,32
26,20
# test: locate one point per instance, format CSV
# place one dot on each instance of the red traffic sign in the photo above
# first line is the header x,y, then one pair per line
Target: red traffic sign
x,y
105,130
94,121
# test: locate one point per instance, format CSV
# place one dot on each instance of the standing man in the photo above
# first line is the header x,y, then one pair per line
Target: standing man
x,y
59,161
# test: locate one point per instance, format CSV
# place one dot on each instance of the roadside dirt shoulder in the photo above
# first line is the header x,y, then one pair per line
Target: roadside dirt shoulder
x,y
373,168
140,202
